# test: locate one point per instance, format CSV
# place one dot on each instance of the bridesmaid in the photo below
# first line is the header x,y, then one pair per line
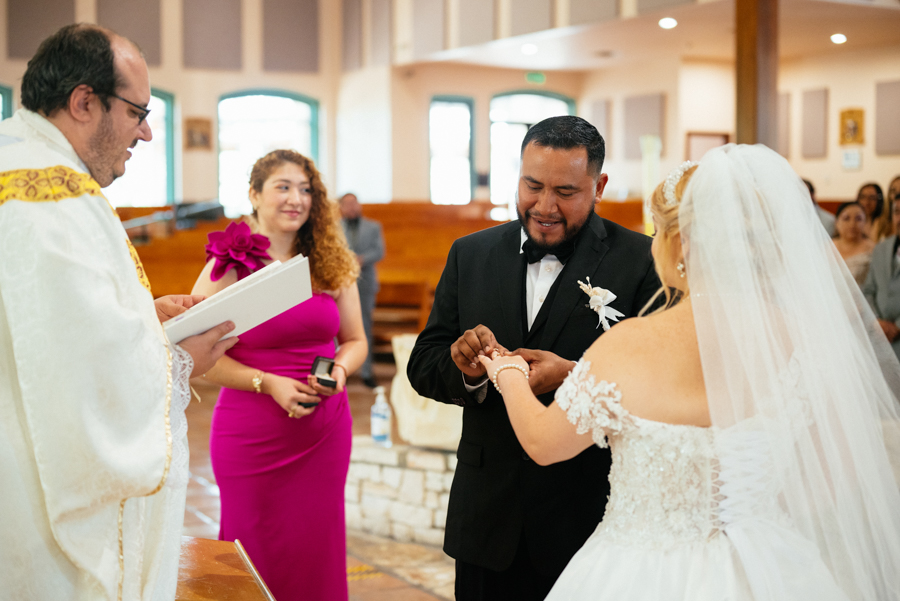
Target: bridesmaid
x,y
280,441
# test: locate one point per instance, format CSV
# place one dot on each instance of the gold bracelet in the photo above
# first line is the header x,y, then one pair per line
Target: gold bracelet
x,y
346,373
257,381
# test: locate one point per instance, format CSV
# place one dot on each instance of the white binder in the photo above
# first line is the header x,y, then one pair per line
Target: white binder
x,y
257,298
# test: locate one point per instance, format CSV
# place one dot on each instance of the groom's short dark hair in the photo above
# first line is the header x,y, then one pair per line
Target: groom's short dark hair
x,y
569,132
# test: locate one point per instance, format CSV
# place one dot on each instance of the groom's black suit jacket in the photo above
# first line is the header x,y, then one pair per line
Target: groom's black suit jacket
x,y
498,493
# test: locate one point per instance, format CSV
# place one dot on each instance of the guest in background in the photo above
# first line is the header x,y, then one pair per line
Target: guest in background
x,y
280,441
365,239
851,241
825,217
878,222
882,287
894,193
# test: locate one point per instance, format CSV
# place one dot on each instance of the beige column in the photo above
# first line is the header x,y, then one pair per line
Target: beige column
x,y
757,71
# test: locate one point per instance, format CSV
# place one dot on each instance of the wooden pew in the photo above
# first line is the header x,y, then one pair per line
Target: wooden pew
x,y
173,263
418,236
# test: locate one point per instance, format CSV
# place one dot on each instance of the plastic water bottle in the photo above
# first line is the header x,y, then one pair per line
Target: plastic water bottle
x,y
381,419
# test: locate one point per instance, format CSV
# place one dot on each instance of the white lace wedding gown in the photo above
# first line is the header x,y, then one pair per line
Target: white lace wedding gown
x,y
693,512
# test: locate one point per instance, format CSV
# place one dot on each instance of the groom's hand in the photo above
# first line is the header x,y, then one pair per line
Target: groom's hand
x,y
467,348
546,370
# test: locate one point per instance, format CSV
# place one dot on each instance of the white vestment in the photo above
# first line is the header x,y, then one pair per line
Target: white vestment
x,y
93,447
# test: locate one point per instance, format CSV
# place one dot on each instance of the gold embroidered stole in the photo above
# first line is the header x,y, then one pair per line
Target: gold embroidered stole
x,y
53,184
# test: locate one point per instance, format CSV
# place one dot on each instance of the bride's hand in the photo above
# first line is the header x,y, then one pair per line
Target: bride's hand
x,y
496,360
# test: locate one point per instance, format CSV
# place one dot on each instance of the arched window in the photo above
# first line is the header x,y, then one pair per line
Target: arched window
x,y
6,102
452,145
149,179
511,115
253,123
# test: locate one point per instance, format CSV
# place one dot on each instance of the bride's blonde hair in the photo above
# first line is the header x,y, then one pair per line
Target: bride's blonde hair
x,y
665,217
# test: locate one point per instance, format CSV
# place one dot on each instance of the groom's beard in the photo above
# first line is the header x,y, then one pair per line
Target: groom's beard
x,y
571,229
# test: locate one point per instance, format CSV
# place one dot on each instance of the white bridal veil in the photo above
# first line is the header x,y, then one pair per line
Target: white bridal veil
x,y
789,344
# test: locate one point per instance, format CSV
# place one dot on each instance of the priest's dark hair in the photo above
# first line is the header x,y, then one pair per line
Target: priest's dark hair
x,y
568,132
76,54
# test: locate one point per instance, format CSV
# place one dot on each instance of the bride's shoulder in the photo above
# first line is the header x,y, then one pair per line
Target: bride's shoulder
x,y
631,345
626,334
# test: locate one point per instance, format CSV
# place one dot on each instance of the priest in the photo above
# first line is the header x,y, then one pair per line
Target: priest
x,y
93,452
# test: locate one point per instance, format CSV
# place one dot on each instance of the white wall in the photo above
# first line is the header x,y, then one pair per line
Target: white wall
x,y
850,78
707,98
374,122
364,135
617,84
412,89
197,91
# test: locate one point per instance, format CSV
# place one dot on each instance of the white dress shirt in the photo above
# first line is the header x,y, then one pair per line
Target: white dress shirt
x,y
539,278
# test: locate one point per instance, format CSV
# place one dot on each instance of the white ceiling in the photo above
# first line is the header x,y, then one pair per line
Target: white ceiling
x,y
704,31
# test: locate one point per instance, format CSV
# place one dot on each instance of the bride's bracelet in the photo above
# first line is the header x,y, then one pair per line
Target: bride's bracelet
x,y
507,366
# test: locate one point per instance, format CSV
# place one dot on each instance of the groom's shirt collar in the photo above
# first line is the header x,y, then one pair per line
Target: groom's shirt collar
x,y
539,278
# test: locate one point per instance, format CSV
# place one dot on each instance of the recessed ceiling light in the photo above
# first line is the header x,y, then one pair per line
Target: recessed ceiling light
x,y
838,38
529,49
667,23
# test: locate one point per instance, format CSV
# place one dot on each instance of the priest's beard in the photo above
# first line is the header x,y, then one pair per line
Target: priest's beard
x,y
103,153
571,229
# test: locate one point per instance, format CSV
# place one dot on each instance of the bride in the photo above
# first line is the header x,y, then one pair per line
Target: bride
x,y
747,420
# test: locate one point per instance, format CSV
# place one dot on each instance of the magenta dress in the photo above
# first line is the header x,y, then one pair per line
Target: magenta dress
x,y
282,479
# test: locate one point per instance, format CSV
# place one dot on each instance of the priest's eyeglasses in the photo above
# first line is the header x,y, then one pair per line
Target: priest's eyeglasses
x,y
143,112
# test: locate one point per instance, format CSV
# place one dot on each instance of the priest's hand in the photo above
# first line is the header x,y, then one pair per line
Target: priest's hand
x,y
290,393
546,370
206,348
473,343
169,306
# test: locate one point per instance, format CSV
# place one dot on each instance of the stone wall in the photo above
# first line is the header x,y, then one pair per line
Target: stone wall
x,y
401,492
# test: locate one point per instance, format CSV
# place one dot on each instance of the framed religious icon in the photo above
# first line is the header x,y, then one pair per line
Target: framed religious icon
x,y
852,127
197,133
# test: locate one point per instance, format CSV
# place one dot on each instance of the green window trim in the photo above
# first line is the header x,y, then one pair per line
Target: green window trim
x,y
169,99
313,112
473,176
7,95
570,102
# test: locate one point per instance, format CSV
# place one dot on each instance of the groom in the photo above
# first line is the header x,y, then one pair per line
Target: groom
x,y
513,525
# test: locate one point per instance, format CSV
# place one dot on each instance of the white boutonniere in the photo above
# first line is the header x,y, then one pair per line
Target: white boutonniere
x,y
600,299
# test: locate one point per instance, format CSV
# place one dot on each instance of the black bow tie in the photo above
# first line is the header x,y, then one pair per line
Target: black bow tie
x,y
563,251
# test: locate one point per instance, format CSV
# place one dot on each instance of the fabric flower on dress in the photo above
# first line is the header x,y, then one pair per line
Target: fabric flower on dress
x,y
600,298
236,248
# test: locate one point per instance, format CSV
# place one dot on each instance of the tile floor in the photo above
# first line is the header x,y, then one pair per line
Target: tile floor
x,y
378,569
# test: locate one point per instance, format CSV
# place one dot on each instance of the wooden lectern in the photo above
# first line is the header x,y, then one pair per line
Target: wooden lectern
x,y
218,570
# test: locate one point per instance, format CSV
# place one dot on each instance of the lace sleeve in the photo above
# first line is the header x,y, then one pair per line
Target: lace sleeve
x,y
592,407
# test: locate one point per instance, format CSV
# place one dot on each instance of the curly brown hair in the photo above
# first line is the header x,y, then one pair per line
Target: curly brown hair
x,y
332,265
